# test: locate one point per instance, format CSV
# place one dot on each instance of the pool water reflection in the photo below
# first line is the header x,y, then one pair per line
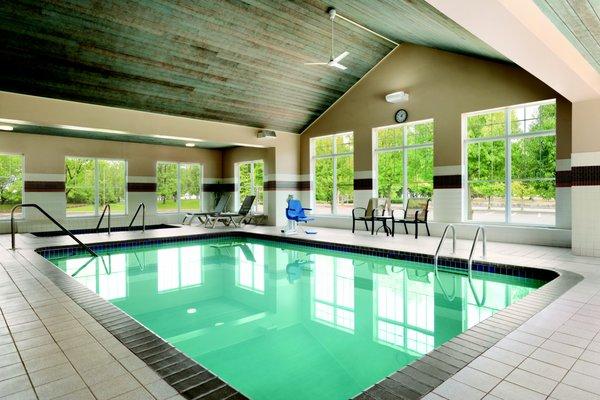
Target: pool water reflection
x,y
279,321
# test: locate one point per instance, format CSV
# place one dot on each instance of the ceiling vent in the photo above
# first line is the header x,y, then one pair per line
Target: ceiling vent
x,y
266,134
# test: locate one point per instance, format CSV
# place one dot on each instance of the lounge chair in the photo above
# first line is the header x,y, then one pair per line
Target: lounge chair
x,y
295,213
415,213
375,207
203,216
232,218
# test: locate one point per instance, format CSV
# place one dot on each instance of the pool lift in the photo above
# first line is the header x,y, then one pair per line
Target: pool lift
x,y
294,214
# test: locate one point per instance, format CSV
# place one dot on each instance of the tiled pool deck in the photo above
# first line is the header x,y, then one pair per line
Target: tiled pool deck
x,y
546,346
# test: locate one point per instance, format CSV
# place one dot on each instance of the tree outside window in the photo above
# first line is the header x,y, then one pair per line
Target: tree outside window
x,y
178,187
11,183
250,179
404,161
332,166
510,164
93,183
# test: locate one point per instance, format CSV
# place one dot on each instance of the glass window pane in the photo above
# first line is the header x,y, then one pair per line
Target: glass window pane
x,y
420,172
245,177
111,185
486,161
324,185
533,202
486,125
80,186
166,187
191,192
259,202
324,146
533,158
534,118
486,201
344,143
390,177
345,185
11,183
390,137
419,133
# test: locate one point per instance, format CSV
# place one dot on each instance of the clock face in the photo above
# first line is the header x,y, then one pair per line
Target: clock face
x,y
401,115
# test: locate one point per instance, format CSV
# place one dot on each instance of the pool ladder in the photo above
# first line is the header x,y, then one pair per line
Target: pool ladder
x,y
106,207
142,206
480,230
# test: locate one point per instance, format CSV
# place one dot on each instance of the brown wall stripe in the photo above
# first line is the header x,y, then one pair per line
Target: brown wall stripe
x,y
218,187
363,184
585,176
447,182
141,187
283,185
44,186
563,178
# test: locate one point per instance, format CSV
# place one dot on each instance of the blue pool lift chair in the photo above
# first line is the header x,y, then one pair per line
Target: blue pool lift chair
x,y
295,213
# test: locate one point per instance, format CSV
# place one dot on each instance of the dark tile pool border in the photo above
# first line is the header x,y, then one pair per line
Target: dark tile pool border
x,y
411,382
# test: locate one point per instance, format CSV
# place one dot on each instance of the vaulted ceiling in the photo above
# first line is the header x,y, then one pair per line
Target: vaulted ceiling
x,y
579,21
228,60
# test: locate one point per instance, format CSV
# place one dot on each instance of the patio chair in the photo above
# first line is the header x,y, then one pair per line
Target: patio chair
x,y
415,213
375,207
203,216
232,218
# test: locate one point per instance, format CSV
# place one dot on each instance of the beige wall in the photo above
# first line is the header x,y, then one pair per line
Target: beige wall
x,y
441,86
46,154
241,154
586,126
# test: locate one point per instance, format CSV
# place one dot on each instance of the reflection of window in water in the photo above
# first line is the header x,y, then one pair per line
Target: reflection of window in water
x,y
250,274
404,310
178,268
333,292
109,286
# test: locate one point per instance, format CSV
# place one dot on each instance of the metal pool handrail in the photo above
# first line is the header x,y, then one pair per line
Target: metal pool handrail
x,y
480,229
65,230
143,207
437,252
102,217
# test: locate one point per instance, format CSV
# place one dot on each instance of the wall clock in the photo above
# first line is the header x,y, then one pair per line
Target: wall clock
x,y
401,115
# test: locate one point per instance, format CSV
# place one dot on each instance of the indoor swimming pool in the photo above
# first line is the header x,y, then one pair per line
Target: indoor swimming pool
x,y
285,321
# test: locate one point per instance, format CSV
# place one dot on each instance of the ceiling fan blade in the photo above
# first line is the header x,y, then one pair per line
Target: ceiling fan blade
x,y
337,65
340,57
316,63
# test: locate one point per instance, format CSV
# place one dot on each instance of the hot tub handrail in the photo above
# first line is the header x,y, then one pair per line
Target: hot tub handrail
x,y
102,217
143,207
437,252
55,222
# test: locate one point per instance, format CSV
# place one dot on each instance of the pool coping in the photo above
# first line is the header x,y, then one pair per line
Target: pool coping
x,y
193,381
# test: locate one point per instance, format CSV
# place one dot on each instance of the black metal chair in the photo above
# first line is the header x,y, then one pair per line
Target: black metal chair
x,y
416,212
375,207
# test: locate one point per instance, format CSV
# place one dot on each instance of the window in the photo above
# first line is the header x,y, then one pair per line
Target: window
x,y
178,187
510,164
333,292
250,269
250,178
11,183
332,168
92,183
404,161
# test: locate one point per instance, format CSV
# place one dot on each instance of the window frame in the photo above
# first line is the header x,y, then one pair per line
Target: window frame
x,y
97,210
179,164
334,156
20,214
238,199
405,149
506,138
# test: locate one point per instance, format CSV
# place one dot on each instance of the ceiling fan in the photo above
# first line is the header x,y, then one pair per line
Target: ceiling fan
x,y
333,62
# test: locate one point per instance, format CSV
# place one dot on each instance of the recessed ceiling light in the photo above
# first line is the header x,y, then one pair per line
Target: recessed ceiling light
x,y
190,145
191,310
6,128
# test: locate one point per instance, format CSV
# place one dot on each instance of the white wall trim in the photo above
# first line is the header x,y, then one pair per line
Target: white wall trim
x,y
563,165
585,159
447,170
28,176
141,179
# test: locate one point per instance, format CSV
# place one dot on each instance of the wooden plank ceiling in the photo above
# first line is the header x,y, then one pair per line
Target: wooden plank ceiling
x,y
228,60
579,21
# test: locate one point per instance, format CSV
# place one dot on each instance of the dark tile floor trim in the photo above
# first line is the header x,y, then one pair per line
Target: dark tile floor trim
x,y
411,382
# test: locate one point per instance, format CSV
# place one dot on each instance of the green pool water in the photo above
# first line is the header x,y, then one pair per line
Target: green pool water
x,y
280,321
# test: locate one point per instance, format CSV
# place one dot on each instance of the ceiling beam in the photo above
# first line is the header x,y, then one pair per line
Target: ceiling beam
x,y
520,31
